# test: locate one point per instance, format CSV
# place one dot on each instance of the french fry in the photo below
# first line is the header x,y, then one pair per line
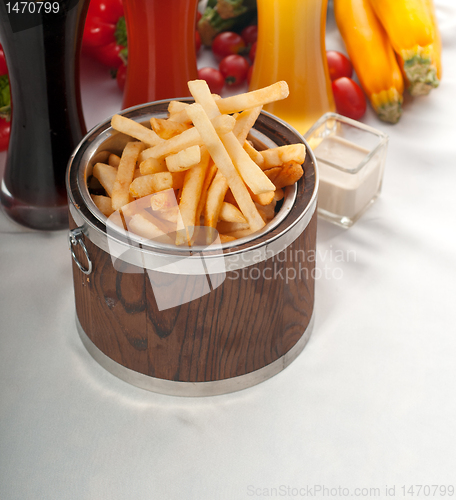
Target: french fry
x,y
263,199
230,213
135,129
202,95
214,202
190,196
140,206
267,211
180,117
275,157
250,172
120,191
244,122
176,107
106,176
183,160
260,97
219,186
170,214
228,227
167,128
272,173
114,160
188,138
224,164
290,173
135,206
278,194
163,200
210,174
177,112
254,154
144,227
224,238
103,203
242,233
152,166
247,168
152,183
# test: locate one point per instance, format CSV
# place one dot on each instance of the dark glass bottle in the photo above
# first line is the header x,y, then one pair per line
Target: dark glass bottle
x,y
42,52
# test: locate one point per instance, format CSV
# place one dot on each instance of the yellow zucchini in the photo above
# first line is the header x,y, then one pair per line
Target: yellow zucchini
x,y
412,34
372,56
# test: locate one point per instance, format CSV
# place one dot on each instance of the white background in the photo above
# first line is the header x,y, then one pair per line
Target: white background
x,y
370,402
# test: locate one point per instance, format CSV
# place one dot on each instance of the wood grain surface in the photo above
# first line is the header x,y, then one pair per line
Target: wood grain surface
x,y
254,317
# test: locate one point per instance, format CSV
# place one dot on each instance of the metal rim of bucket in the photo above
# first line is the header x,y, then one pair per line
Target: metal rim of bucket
x,y
289,223
195,389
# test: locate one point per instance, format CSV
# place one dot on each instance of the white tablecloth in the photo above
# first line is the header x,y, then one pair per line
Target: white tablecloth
x,y
370,403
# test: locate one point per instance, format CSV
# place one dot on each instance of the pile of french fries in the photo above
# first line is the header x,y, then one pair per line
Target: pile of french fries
x,y
198,168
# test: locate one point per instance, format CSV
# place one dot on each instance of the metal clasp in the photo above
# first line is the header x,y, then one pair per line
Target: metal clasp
x,y
75,238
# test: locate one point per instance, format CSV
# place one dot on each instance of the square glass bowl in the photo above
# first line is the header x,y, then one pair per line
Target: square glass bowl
x,y
351,159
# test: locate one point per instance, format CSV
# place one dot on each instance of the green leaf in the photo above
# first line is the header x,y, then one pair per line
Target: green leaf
x,y
121,32
5,98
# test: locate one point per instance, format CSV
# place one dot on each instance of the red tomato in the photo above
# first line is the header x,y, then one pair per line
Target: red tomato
x,y
109,10
213,77
227,43
109,55
121,76
339,65
252,51
349,98
104,29
250,34
198,16
98,32
3,67
197,41
234,68
5,129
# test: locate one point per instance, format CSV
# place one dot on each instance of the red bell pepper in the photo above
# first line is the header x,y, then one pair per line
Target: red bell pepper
x,y
5,103
105,32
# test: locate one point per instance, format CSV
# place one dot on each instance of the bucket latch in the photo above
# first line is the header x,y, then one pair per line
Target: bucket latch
x,y
75,239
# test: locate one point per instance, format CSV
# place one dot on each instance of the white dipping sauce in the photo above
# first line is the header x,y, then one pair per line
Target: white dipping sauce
x,y
340,191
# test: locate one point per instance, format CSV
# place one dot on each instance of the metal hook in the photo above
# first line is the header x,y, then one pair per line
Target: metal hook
x,y
75,238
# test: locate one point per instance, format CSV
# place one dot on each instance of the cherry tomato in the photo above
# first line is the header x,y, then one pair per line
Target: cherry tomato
x,y
121,76
3,67
250,34
109,55
349,98
5,129
105,31
227,43
198,17
339,65
97,32
234,68
197,41
213,77
252,51
109,10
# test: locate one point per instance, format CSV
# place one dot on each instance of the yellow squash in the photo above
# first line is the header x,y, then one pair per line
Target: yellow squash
x,y
372,56
412,34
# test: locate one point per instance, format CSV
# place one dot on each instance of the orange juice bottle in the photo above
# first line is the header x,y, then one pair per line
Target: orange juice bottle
x,y
291,47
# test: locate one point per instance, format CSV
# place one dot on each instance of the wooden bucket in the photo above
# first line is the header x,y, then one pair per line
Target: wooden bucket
x,y
240,321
